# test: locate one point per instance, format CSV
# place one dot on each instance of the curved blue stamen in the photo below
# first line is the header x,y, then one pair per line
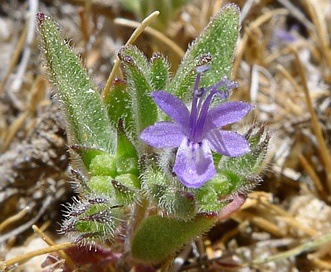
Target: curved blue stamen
x,y
203,115
201,104
194,110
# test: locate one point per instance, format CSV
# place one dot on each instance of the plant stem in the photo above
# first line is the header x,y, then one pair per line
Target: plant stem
x,y
138,215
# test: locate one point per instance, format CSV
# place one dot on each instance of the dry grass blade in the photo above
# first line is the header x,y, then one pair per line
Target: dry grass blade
x,y
49,241
306,247
14,218
6,265
154,33
23,65
36,95
259,221
28,224
147,21
15,57
315,123
243,43
321,27
312,173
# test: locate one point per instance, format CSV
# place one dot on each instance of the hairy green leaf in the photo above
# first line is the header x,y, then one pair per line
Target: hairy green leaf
x,y
87,120
158,237
217,41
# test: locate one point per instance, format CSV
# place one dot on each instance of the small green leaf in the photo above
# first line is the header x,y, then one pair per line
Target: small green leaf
x,y
124,195
124,146
126,155
158,237
218,41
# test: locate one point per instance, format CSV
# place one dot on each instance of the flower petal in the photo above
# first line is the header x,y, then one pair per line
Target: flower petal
x,y
227,143
172,106
226,113
194,164
163,135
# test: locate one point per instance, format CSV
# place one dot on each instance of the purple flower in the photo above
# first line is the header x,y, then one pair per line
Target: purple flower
x,y
197,133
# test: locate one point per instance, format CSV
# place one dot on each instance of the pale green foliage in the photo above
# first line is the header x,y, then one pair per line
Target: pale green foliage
x,y
88,123
158,236
122,172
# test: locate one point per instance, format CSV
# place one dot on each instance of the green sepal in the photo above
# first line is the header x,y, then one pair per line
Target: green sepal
x,y
220,184
159,72
172,198
129,180
137,74
206,199
158,237
87,120
102,186
126,155
87,154
235,181
124,195
209,196
97,223
127,164
118,103
180,204
217,41
103,165
251,164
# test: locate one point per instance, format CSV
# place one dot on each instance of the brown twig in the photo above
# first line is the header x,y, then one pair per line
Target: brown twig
x,y
14,218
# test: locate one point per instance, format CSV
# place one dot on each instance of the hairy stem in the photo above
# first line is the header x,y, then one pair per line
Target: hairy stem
x,y
138,215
